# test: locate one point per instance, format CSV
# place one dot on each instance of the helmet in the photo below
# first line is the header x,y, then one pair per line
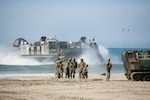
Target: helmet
x,y
108,59
81,59
69,59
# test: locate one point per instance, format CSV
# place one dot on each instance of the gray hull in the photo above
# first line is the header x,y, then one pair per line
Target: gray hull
x,y
51,48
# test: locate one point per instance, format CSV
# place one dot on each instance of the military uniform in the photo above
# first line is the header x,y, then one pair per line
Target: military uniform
x,y
59,68
73,68
108,67
81,66
85,72
67,68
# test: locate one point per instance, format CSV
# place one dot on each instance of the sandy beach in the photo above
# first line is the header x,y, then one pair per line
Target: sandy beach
x,y
94,88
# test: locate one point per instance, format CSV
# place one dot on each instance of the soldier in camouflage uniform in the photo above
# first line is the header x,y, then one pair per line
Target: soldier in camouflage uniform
x,y
59,68
85,72
73,68
81,66
108,67
67,68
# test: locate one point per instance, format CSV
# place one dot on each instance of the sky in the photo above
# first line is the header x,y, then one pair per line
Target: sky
x,y
113,23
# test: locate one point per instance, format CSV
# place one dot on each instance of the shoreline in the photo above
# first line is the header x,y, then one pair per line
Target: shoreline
x,y
47,74
52,75
94,88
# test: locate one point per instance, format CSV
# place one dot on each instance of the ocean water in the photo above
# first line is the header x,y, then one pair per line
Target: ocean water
x,y
12,64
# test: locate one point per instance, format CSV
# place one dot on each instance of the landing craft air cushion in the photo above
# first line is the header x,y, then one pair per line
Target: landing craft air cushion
x,y
51,48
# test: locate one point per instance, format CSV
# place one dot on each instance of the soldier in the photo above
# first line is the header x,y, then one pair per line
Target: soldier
x,y
108,67
73,68
82,64
85,72
59,69
67,68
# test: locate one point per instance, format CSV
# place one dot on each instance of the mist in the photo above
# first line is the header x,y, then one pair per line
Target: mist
x,y
10,56
93,58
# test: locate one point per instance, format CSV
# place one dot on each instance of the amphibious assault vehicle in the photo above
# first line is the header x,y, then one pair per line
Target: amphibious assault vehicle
x,y
137,65
51,48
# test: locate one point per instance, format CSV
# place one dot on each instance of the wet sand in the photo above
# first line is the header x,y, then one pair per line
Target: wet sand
x,y
93,88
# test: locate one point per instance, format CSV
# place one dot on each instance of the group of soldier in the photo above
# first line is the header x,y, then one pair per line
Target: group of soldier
x,y
70,68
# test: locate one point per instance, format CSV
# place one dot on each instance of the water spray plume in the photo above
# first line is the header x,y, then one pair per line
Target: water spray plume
x,y
103,51
91,57
115,59
11,57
